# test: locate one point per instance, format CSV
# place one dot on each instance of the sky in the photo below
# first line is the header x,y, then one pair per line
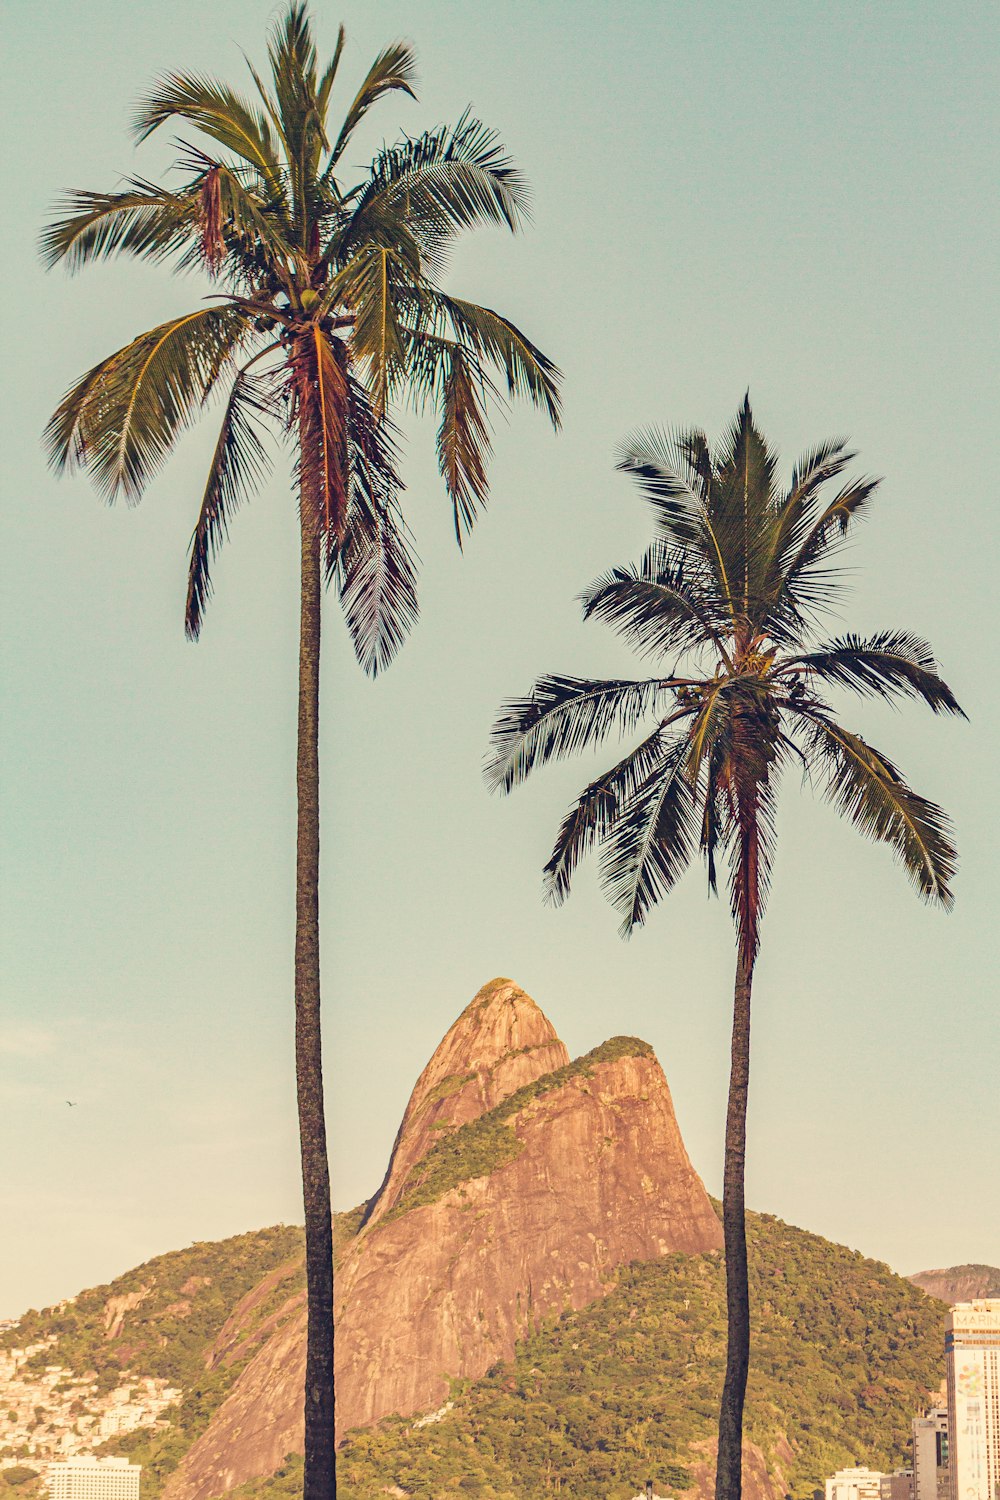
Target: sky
x,y
795,198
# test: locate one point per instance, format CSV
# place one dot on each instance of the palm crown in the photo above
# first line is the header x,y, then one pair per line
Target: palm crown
x,y
728,594
328,310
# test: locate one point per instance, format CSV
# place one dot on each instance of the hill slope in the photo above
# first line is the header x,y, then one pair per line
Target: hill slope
x,y
845,1352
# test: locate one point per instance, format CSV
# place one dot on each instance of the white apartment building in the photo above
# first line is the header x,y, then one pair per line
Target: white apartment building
x,y
855,1484
931,1480
90,1478
972,1356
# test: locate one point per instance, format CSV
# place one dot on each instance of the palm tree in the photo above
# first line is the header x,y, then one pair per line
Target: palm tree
x,y
327,310
726,598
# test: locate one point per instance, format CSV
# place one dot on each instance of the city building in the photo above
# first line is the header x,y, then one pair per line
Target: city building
x,y
90,1478
972,1357
931,1479
897,1486
855,1484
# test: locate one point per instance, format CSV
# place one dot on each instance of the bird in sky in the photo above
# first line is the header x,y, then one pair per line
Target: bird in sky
x,y
71,1103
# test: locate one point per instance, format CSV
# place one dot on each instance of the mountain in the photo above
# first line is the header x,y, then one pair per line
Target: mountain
x,y
960,1283
532,1302
597,1400
514,1191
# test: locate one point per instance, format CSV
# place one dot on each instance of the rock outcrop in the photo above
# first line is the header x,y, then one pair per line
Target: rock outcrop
x,y
959,1283
518,1183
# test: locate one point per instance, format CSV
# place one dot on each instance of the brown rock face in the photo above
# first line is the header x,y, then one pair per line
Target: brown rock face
x,y
530,1211
500,1042
959,1283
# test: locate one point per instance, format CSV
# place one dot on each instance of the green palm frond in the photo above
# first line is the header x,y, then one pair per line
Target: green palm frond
x,y
329,75
563,715
120,421
674,475
145,221
395,69
652,841
656,606
833,521
595,812
890,664
443,181
218,112
463,441
497,342
239,465
867,788
374,284
739,512
375,568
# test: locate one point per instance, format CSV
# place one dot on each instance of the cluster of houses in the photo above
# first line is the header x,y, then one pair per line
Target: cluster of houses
x,y
47,1413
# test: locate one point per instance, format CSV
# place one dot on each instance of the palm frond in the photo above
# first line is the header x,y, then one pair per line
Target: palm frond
x,y
740,512
463,442
329,75
120,421
563,715
319,405
674,473
656,606
833,521
867,788
239,465
375,569
497,342
890,664
593,815
373,284
652,841
395,69
145,221
218,112
443,181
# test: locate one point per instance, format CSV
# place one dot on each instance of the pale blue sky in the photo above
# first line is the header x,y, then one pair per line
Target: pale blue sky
x,y
798,198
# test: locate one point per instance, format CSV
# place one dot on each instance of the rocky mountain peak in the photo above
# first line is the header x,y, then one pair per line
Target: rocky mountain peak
x,y
500,1043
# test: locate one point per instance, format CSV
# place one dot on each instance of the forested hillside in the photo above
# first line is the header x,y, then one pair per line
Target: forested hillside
x,y
845,1352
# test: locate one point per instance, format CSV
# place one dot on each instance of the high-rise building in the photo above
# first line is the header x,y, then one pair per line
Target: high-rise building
x,y
931,1479
90,1478
972,1355
854,1484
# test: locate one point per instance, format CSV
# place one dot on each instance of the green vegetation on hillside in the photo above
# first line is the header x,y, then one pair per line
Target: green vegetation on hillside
x,y
484,1145
187,1296
845,1352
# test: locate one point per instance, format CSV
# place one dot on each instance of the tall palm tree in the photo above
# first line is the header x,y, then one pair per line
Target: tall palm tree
x,y
327,310
726,599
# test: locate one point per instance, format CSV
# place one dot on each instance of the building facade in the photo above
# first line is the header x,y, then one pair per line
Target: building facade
x,y
972,1356
931,1477
855,1484
94,1479
897,1486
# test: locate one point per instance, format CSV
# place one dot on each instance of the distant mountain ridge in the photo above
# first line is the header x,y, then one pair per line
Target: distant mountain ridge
x,y
542,1239
959,1283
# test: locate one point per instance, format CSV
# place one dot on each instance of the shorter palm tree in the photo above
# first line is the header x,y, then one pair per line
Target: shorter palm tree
x,y
738,572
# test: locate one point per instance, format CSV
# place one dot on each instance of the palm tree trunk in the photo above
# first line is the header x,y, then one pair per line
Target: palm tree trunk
x,y
729,1468
320,1482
